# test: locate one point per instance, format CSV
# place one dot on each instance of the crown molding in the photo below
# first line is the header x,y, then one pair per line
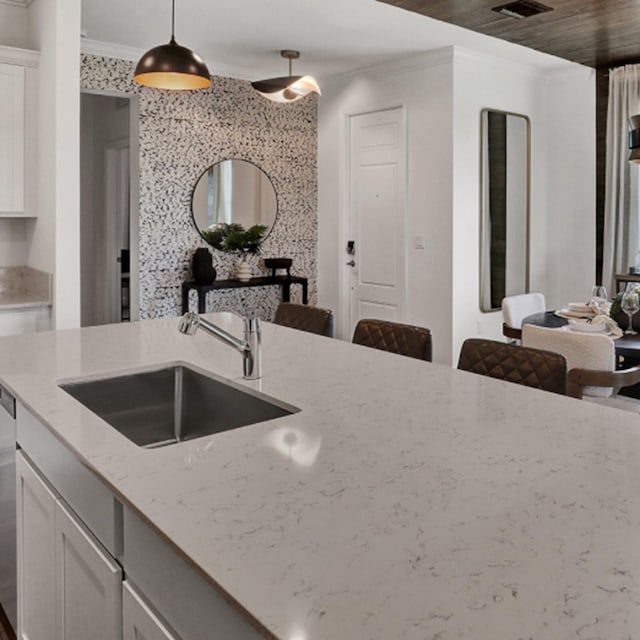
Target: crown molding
x,y
17,3
23,57
432,58
111,50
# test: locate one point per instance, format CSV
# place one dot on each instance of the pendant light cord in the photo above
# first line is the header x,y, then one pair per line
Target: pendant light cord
x,y
173,21
290,66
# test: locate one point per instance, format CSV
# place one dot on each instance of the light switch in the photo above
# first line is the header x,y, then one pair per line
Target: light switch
x,y
418,242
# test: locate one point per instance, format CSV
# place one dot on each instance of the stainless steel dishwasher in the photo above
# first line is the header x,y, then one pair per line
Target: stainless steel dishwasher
x,y
8,574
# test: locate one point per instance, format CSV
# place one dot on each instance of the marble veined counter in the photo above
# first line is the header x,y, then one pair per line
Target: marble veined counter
x,y
405,500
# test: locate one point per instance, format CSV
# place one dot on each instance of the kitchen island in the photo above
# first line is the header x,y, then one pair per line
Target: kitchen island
x,y
404,499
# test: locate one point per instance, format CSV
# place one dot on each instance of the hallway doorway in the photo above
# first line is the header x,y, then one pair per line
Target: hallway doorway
x,y
109,209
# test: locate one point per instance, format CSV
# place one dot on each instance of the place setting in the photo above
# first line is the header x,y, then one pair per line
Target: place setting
x,y
593,316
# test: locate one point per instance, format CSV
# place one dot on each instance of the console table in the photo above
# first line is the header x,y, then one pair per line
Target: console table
x,y
282,281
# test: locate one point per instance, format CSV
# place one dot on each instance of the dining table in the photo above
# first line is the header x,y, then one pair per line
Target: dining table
x,y
627,346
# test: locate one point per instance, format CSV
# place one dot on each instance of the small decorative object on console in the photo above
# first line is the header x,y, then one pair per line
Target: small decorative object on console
x,y
278,263
202,266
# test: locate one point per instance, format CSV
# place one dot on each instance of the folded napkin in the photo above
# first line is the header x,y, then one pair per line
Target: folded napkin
x,y
601,324
596,306
580,307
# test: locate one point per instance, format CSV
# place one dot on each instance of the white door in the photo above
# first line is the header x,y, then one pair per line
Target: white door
x,y
36,510
375,252
89,584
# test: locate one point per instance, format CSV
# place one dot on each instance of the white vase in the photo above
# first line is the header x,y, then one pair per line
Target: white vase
x,y
243,271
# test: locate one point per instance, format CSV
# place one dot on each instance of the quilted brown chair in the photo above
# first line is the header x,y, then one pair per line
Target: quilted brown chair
x,y
523,365
404,339
305,318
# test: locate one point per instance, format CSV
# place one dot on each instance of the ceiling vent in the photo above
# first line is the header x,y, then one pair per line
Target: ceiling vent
x,y
521,9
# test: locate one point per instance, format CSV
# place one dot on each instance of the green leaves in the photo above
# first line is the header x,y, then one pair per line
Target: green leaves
x,y
233,237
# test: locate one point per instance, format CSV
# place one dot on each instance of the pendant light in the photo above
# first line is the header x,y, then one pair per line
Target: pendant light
x,y
172,66
287,88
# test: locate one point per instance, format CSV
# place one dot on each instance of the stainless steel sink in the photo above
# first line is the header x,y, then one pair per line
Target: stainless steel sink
x,y
172,404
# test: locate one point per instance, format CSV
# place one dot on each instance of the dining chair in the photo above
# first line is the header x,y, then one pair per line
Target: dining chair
x,y
516,308
513,363
403,339
591,365
305,318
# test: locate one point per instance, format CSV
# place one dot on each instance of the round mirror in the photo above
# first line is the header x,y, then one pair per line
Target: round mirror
x,y
233,192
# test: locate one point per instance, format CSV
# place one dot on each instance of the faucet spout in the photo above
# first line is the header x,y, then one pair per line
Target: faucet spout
x,y
250,347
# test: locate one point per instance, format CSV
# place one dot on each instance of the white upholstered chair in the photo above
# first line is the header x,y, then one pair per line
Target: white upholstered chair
x,y
591,365
516,308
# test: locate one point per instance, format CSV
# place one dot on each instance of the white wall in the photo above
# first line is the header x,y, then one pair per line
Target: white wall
x,y
568,108
444,94
54,29
423,86
561,107
13,26
13,242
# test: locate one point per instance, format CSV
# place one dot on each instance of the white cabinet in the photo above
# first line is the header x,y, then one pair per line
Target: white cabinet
x,y
18,87
12,138
88,584
36,515
66,581
27,320
139,621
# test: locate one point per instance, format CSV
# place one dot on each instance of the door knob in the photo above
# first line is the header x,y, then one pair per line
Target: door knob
x,y
351,263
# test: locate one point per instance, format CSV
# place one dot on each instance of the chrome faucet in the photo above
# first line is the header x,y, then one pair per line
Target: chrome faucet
x,y
249,348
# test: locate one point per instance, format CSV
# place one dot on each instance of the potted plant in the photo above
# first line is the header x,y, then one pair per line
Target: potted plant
x,y
234,238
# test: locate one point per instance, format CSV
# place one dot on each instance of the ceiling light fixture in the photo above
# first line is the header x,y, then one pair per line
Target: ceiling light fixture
x,y
172,66
287,88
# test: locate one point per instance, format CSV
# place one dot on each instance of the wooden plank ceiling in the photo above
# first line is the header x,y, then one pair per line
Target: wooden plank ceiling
x,y
592,32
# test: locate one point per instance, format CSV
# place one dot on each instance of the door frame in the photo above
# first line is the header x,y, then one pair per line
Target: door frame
x,y
134,195
113,173
344,313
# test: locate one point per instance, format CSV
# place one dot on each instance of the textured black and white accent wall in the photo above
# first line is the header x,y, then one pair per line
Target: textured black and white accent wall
x,y
181,134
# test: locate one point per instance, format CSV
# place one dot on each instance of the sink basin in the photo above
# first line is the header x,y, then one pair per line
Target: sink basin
x,y
164,406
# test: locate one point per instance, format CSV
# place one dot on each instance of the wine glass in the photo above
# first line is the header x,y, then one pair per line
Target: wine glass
x,y
598,298
630,305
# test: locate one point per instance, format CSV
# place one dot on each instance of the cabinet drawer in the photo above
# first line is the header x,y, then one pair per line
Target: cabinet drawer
x,y
83,492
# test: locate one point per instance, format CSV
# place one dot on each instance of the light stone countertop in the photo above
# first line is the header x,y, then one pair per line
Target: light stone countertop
x,y
405,501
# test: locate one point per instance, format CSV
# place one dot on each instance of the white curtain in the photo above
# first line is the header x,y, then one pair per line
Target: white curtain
x,y
621,212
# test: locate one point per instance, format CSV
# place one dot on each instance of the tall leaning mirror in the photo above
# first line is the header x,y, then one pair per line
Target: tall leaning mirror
x,y
504,196
233,191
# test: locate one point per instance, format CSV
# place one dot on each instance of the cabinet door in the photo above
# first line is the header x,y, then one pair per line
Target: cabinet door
x,y
12,109
139,622
36,510
89,584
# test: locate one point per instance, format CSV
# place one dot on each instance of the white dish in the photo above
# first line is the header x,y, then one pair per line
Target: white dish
x,y
587,327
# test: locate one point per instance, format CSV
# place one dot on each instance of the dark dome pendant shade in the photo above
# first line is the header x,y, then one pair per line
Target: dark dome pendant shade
x,y
172,66
287,88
